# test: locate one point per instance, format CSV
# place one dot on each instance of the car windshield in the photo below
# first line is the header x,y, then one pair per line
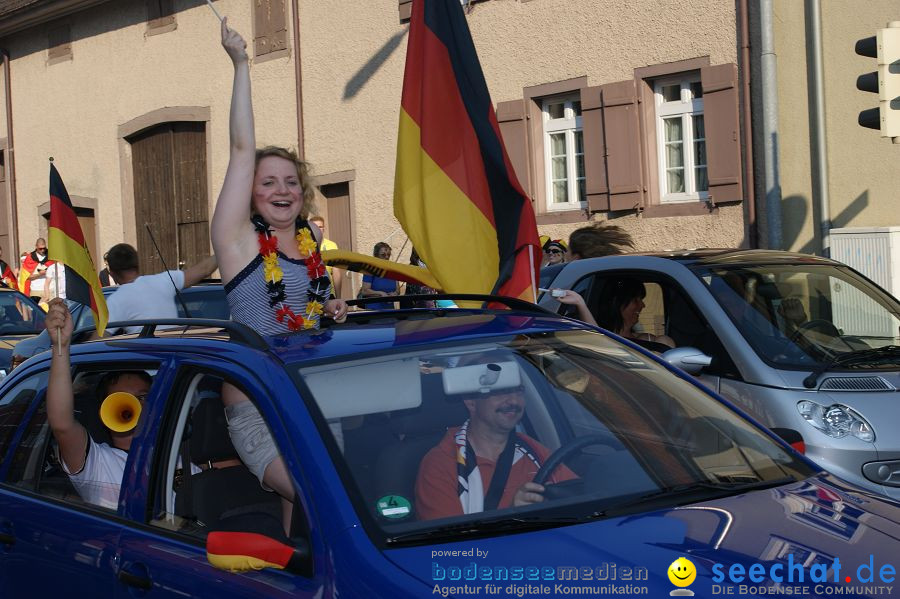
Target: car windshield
x,y
806,315
19,316
626,435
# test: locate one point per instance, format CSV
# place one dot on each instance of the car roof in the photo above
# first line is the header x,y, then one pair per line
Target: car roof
x,y
362,333
734,257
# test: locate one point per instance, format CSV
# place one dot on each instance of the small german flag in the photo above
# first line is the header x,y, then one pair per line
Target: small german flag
x,y
65,244
455,192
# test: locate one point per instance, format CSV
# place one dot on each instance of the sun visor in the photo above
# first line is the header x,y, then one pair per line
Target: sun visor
x,y
481,378
366,388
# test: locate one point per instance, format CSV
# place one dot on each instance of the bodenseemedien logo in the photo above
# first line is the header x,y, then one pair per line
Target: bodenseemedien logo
x,y
682,573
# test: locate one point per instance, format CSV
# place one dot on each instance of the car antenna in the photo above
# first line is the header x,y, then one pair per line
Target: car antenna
x,y
184,307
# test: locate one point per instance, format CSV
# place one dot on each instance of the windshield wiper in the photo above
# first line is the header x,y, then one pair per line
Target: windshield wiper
x,y
861,356
480,527
710,489
677,494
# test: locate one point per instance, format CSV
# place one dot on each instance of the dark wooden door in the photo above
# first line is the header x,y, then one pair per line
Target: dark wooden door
x,y
170,195
336,210
5,217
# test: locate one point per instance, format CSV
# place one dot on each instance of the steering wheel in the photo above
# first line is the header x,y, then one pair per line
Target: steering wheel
x,y
566,488
826,326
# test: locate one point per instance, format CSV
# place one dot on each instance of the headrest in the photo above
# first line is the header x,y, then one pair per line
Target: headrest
x,y
437,413
209,432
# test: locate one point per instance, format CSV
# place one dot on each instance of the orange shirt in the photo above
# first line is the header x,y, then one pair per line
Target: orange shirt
x,y
436,484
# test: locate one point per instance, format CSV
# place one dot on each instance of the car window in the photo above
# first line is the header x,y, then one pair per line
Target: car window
x,y
204,302
18,315
36,464
191,500
801,315
14,405
622,427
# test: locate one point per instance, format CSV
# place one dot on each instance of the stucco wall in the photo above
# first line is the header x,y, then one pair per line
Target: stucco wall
x,y
352,88
72,110
862,167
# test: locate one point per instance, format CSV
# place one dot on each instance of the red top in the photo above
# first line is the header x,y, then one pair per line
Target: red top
x,y
436,484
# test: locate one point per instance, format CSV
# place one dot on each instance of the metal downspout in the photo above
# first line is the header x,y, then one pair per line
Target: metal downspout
x,y
770,127
298,79
819,133
749,187
11,162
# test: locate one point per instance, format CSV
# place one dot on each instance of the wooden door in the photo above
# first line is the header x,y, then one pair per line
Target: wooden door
x,y
5,217
336,210
170,195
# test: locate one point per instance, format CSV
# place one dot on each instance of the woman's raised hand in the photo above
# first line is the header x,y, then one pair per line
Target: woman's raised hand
x,y
233,43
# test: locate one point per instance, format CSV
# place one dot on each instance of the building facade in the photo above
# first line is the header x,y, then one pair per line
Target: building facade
x,y
636,113
853,182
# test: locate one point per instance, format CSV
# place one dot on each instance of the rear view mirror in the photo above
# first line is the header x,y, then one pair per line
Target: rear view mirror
x,y
689,359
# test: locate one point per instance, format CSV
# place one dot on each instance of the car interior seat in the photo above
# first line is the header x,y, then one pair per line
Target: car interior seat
x,y
415,432
217,491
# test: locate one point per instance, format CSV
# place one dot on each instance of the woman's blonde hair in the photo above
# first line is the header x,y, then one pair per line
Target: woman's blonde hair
x,y
309,192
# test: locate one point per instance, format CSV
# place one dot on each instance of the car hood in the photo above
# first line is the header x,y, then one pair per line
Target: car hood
x,y
814,521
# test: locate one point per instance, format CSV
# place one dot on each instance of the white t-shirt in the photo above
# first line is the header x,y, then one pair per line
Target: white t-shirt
x,y
54,272
37,285
148,296
100,480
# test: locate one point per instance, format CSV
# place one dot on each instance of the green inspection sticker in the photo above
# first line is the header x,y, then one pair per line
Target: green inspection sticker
x,y
394,507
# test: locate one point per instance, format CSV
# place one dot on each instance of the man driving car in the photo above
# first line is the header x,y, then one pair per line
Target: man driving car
x,y
484,464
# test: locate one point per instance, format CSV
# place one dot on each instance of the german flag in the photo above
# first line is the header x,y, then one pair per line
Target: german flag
x,y
65,243
455,193
7,277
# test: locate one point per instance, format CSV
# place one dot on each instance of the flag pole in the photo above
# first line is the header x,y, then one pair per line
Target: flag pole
x,y
213,8
531,270
58,329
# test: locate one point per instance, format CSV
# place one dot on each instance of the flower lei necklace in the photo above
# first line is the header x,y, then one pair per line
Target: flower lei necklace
x,y
319,283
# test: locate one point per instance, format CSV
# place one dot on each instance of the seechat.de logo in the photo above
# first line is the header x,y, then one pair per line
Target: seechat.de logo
x,y
682,573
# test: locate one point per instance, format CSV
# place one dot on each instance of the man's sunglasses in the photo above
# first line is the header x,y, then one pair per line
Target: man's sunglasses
x,y
553,252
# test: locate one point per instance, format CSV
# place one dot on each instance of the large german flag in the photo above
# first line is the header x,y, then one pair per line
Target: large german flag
x,y
65,243
455,193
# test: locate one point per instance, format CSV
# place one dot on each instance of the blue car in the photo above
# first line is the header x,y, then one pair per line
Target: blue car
x,y
393,427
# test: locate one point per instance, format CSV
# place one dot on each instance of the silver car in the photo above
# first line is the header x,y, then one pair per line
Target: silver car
x,y
806,345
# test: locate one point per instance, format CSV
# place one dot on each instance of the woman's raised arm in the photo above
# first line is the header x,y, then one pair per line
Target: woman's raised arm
x,y
232,214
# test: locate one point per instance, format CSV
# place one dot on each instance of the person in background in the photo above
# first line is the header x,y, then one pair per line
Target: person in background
x,y
106,280
373,286
337,276
619,309
415,289
554,252
55,285
32,275
140,297
598,239
7,274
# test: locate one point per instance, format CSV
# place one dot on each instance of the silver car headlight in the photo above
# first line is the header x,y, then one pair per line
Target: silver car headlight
x,y
836,420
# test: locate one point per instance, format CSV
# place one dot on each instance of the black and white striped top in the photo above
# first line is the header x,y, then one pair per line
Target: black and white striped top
x,y
249,301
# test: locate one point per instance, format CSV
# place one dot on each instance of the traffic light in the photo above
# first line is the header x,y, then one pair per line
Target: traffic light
x,y
885,46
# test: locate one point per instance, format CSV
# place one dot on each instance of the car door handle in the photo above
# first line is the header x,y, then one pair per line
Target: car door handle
x,y
134,580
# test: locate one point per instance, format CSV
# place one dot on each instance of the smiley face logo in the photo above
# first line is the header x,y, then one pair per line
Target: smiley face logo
x,y
682,572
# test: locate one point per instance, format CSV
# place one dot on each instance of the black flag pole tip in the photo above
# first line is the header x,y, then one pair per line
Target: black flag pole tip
x,y
51,159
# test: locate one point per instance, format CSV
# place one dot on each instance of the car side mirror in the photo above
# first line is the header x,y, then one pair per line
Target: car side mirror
x,y
689,359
